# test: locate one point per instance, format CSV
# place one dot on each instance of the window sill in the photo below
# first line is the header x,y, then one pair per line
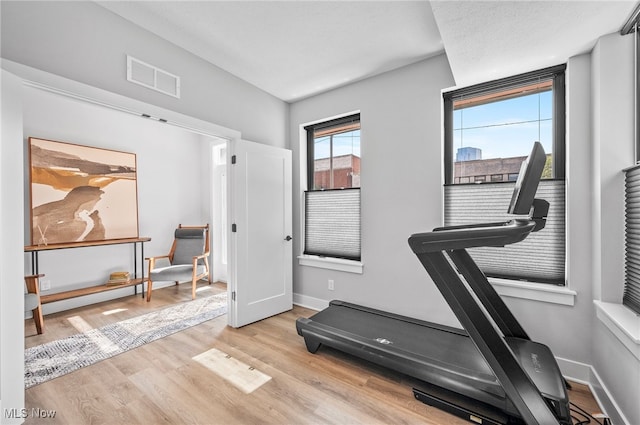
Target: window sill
x,y
339,264
622,322
534,291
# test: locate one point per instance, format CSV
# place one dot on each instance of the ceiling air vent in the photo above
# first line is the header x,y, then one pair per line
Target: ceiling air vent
x,y
142,73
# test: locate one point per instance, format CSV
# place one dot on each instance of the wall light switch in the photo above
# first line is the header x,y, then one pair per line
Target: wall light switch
x,y
45,284
331,284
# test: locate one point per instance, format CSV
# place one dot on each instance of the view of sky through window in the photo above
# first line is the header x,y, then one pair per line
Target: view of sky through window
x,y
343,144
506,128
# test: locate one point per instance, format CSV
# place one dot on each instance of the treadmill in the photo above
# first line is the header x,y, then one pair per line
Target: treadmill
x,y
490,371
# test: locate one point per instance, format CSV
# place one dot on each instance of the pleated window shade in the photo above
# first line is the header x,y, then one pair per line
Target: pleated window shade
x,y
631,297
540,257
332,223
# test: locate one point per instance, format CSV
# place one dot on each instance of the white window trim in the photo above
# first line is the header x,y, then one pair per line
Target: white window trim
x,y
534,291
622,322
331,263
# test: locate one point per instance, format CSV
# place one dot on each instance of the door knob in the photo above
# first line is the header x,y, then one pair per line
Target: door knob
x,y
288,238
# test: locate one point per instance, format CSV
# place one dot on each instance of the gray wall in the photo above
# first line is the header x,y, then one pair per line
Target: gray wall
x,y
87,43
401,187
402,194
612,151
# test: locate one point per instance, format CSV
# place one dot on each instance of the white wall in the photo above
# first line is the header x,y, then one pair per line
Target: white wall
x,y
87,43
173,169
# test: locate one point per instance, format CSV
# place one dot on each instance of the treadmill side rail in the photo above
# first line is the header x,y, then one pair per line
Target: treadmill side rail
x,y
460,237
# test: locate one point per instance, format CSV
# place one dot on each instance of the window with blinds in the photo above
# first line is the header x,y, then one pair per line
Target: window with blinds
x,y
540,257
489,130
631,297
332,203
332,223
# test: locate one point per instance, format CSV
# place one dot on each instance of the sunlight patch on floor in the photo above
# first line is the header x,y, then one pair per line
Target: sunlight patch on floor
x,y
203,288
79,323
105,344
115,310
244,377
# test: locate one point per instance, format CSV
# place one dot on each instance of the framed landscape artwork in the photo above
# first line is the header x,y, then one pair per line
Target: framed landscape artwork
x,y
81,193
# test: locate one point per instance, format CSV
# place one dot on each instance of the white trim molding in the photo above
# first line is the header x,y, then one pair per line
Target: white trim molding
x,y
312,303
622,322
331,263
534,291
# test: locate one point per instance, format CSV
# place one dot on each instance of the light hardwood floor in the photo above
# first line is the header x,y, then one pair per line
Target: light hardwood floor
x,y
160,383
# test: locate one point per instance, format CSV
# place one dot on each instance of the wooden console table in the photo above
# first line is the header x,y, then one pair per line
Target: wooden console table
x,y
35,249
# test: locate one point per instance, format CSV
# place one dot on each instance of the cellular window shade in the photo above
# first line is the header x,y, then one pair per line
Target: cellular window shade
x,y
540,257
332,223
631,297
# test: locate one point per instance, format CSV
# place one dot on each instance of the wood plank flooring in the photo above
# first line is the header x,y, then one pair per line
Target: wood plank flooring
x,y
160,383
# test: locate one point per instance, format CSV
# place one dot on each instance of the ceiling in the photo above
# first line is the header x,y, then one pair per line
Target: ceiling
x,y
295,49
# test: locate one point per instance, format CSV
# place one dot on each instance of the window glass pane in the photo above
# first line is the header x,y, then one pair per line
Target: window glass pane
x,y
337,159
322,163
493,134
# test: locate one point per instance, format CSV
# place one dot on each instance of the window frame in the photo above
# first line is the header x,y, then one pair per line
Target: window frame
x,y
555,73
310,129
346,264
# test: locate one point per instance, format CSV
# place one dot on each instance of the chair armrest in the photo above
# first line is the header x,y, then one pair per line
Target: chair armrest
x,y
152,261
198,257
156,257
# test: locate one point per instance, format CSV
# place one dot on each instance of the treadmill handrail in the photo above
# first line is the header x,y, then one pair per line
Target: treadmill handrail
x,y
462,237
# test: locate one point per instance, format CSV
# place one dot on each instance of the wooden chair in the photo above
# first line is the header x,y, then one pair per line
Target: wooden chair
x,y
187,259
32,300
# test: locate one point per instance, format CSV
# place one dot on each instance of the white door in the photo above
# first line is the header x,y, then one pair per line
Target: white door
x,y
260,236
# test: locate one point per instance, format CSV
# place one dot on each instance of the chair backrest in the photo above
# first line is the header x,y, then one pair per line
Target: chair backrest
x,y
189,242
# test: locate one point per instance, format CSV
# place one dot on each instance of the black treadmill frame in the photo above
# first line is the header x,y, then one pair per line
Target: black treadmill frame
x,y
514,379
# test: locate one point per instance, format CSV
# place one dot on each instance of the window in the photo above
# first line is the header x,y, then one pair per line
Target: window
x,y
633,25
332,203
631,297
489,130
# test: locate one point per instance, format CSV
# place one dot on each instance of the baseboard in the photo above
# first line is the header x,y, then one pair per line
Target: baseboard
x,y
606,401
310,302
583,373
575,371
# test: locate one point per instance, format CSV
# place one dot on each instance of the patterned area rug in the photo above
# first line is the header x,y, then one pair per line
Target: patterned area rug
x,y
57,358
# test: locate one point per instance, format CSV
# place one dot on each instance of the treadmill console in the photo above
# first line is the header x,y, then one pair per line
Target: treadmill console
x,y
527,184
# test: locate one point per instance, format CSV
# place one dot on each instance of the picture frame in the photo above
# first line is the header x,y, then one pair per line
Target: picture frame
x,y
81,193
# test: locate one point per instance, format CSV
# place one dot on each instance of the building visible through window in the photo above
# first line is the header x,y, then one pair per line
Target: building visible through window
x,y
332,201
493,133
489,130
336,155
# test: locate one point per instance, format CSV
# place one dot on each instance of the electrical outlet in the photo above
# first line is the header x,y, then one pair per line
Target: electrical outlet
x,y
331,284
45,284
